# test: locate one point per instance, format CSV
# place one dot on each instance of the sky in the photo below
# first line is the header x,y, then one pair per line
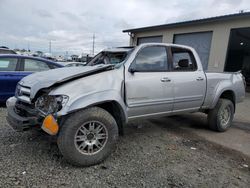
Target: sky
x,y
71,24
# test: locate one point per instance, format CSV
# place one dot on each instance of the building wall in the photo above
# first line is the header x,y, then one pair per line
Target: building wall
x,y
219,43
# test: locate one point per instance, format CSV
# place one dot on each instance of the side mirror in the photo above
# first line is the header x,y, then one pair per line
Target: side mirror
x,y
132,70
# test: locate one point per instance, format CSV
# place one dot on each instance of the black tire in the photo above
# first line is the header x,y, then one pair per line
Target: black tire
x,y
66,139
214,121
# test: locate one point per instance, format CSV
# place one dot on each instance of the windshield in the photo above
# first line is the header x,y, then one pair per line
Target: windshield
x,y
113,58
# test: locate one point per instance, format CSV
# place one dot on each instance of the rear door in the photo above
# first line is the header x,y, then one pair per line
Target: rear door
x,y
9,77
29,66
189,82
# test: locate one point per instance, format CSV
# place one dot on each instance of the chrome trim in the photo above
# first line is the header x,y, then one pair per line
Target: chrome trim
x,y
23,93
24,99
188,99
25,90
147,115
164,101
164,113
165,79
199,79
152,102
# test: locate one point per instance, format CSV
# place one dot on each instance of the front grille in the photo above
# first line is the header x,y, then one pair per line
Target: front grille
x,y
28,111
25,109
23,93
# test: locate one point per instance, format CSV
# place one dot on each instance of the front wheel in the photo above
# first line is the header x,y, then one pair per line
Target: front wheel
x,y
88,137
220,118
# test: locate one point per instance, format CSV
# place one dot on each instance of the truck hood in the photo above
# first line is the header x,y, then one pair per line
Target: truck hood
x,y
58,76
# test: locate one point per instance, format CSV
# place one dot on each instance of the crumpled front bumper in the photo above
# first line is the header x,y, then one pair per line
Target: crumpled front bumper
x,y
16,121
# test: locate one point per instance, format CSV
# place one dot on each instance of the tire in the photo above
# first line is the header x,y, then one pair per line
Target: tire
x,y
216,120
78,137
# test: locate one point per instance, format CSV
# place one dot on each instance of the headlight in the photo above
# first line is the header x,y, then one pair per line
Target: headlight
x,y
49,104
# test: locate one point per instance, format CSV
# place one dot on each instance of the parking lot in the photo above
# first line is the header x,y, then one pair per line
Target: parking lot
x,y
167,152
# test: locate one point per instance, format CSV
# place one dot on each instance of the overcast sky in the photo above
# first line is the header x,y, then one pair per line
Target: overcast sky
x,y
70,24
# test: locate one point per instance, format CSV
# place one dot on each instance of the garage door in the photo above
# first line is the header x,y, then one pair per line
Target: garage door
x,y
141,40
201,42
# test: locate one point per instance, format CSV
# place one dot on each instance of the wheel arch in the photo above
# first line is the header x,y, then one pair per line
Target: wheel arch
x,y
110,101
226,94
116,110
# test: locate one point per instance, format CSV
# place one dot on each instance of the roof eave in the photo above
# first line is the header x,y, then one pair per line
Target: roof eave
x,y
191,22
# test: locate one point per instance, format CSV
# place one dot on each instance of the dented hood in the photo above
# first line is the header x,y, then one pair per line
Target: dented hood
x,y
52,77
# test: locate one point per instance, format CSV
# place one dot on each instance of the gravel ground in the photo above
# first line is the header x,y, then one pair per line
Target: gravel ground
x,y
153,153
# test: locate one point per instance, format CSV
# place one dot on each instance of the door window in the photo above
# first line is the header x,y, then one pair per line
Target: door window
x,y
183,60
8,64
201,42
151,59
31,65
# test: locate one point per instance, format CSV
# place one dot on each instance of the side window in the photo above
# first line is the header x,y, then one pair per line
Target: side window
x,y
183,60
8,64
151,59
31,65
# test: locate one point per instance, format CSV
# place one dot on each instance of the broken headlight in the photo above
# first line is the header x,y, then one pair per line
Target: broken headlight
x,y
50,104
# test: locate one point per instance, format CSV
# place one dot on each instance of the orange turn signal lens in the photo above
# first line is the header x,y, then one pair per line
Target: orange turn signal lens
x,y
50,125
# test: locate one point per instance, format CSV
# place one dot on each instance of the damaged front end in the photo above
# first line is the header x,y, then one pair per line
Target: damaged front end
x,y
41,112
35,106
49,104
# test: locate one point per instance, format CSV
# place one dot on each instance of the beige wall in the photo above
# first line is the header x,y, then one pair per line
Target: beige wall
x,y
219,44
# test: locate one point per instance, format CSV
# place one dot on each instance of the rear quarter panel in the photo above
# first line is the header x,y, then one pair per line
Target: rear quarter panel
x,y
217,83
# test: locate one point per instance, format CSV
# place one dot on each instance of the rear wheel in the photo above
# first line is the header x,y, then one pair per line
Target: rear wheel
x,y
88,137
220,118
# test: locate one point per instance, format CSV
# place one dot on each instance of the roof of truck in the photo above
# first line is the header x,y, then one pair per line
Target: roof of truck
x,y
119,49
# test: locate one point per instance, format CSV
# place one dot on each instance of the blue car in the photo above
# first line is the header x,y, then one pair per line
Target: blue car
x,y
14,67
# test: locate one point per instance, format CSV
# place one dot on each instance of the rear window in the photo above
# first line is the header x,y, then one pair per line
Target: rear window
x,y
180,55
8,64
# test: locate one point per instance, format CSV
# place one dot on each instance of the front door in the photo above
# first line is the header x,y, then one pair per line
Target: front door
x,y
149,91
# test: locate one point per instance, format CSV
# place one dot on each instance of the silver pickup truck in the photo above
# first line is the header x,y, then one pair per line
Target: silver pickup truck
x,y
87,107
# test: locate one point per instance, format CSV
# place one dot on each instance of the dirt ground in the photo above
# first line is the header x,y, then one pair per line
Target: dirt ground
x,y
152,153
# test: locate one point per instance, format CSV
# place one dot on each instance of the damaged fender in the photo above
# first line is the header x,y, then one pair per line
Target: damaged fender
x,y
93,99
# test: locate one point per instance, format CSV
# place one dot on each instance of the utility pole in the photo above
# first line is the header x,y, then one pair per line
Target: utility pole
x,y
66,55
50,46
93,45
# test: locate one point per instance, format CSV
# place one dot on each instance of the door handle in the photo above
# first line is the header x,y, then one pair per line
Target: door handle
x,y
199,79
165,79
